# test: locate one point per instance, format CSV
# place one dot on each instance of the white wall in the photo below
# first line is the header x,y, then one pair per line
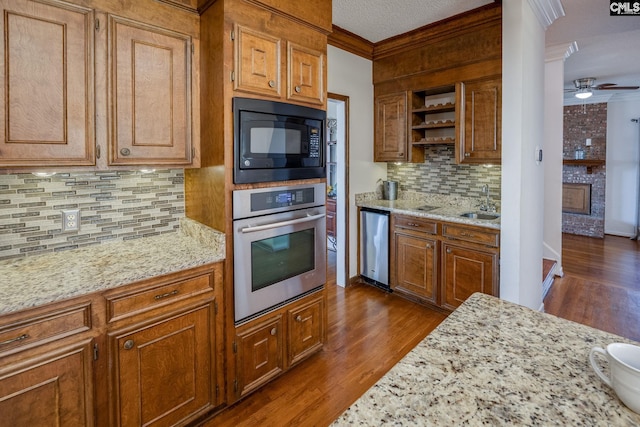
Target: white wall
x,y
623,161
351,75
522,131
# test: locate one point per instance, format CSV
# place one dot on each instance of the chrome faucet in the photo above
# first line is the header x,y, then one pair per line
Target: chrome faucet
x,y
488,204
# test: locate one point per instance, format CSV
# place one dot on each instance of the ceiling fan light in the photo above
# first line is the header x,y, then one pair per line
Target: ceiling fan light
x,y
584,93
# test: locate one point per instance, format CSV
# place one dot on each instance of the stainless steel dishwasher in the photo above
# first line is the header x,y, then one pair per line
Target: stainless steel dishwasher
x,y
374,247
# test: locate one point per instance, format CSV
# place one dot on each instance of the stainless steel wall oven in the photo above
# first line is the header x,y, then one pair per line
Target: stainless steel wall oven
x,y
279,246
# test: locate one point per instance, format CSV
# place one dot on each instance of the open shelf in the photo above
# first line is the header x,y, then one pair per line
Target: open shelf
x,y
433,116
589,163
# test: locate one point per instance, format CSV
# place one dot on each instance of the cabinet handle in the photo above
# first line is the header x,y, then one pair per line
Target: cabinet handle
x,y
298,89
467,154
274,331
298,318
168,294
428,246
16,339
412,224
448,251
128,344
272,83
466,234
125,151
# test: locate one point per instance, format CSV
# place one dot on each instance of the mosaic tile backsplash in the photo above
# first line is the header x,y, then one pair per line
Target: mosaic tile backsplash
x,y
441,175
114,205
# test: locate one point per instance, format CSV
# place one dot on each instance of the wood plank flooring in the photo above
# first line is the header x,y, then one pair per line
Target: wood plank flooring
x,y
601,285
369,331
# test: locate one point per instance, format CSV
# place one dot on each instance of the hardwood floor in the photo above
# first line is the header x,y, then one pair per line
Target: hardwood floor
x,y
601,285
369,331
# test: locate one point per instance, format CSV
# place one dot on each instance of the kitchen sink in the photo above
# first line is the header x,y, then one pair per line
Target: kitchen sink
x,y
426,208
480,215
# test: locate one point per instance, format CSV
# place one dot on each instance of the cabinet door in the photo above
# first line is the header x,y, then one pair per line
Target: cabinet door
x,y
331,217
466,271
306,330
47,108
150,95
480,132
257,62
259,354
305,74
164,370
54,389
416,264
390,139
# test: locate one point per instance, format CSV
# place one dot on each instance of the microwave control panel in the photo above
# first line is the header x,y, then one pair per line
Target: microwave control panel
x,y
314,143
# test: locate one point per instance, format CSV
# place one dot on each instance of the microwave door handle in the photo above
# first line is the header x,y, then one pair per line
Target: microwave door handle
x,y
282,224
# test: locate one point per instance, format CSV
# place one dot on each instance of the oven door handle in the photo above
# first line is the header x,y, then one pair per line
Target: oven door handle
x,y
282,224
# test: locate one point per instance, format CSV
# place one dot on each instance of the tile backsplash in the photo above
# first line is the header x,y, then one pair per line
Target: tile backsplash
x,y
440,174
114,205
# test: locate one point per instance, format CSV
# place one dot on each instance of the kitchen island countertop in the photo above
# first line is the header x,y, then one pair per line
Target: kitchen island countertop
x,y
496,363
32,281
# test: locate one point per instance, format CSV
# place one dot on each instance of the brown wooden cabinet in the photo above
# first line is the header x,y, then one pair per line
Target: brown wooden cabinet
x,y
414,258
390,128
269,345
47,90
54,388
306,329
164,349
440,263
331,217
150,94
163,370
258,67
260,353
480,118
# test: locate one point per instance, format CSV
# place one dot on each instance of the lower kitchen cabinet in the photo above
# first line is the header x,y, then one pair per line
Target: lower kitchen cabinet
x,y
163,370
465,271
296,330
441,264
259,350
50,389
415,263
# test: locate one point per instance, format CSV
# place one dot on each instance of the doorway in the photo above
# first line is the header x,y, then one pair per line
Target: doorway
x,y
337,187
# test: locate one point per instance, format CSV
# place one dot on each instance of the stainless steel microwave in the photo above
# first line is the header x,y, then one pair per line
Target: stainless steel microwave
x,y
275,141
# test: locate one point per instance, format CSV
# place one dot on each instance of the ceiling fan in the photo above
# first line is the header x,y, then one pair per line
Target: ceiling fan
x,y
585,87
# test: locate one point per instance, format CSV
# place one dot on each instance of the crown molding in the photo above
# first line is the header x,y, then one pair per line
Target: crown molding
x,y
547,11
350,42
560,51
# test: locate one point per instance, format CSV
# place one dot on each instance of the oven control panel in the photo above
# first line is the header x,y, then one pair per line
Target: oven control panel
x,y
262,201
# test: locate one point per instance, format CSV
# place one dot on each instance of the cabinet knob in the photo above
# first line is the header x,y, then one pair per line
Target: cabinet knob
x,y
125,151
298,89
298,318
128,344
448,251
274,331
428,246
272,83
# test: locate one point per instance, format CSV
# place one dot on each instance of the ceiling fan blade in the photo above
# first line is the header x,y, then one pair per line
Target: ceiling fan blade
x,y
612,86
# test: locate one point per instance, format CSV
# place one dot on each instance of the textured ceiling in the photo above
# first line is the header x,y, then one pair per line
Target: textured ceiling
x,y
376,20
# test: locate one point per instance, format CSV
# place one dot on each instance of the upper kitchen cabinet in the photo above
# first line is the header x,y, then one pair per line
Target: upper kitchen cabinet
x,y
150,94
258,67
480,117
390,128
47,108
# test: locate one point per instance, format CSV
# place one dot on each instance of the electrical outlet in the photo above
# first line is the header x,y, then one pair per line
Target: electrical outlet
x,y
71,220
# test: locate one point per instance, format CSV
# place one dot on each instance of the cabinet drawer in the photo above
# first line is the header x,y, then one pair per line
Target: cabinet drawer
x,y
135,302
484,237
416,224
44,327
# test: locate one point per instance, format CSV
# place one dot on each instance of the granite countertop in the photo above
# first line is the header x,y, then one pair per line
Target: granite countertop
x,y
33,281
448,208
492,362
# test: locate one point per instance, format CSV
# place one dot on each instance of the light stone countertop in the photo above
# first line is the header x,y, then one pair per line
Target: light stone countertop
x,y
449,208
40,279
492,362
